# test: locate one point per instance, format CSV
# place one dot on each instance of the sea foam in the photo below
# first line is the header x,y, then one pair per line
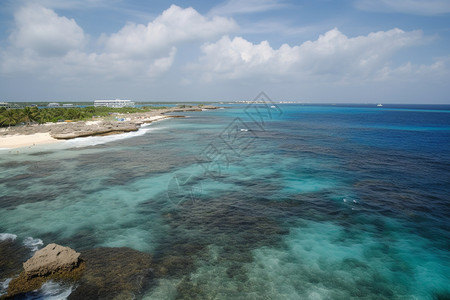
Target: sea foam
x,y
7,236
4,286
32,244
55,291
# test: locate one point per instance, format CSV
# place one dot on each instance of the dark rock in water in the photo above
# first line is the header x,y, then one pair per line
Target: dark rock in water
x,y
12,201
189,290
40,153
230,222
441,295
52,262
114,273
175,265
176,257
12,254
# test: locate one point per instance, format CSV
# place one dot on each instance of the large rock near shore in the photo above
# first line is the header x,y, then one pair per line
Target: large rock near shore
x,y
51,259
52,262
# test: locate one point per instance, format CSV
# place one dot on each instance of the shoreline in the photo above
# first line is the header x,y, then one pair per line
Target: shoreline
x,y
24,140
50,133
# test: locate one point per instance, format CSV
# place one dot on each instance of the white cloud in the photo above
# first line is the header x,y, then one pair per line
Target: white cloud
x,y
175,25
332,55
438,72
52,55
41,30
231,7
415,7
48,45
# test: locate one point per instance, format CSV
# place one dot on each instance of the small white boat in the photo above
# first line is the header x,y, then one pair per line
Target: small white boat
x,y
244,129
273,106
380,105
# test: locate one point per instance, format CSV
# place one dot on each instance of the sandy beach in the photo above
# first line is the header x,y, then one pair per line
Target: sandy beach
x,y
29,140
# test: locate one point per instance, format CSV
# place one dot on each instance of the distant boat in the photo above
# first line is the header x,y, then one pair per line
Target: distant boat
x,y
244,129
273,106
380,105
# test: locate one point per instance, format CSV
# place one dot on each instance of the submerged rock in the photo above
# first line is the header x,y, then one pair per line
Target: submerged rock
x,y
12,254
114,273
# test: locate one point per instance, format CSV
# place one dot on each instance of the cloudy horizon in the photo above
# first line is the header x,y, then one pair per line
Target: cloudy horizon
x,y
354,51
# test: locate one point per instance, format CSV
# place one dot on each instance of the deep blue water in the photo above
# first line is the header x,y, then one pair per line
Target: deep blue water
x,y
284,202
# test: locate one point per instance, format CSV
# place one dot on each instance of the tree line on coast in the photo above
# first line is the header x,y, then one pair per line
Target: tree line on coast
x,y
32,115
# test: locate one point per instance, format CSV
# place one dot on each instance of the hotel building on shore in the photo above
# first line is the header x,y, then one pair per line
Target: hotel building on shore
x,y
114,103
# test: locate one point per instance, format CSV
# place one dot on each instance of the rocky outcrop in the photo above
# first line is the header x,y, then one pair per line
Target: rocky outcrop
x,y
52,262
82,130
53,258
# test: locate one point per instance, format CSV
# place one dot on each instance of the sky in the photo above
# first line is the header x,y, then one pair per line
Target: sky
x,y
322,51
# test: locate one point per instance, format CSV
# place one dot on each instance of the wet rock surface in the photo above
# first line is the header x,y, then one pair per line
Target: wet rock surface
x,y
114,273
11,257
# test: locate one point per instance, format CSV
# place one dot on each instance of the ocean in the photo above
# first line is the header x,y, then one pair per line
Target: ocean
x,y
255,201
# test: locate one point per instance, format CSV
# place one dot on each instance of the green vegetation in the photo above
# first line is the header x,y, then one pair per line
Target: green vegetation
x,y
29,115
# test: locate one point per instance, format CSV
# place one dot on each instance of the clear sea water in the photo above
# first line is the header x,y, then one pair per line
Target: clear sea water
x,y
284,202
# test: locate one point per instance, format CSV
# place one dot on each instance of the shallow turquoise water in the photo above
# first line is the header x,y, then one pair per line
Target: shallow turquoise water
x,y
307,202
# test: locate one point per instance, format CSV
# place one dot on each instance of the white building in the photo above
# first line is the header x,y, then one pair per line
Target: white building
x,y
53,104
114,103
4,104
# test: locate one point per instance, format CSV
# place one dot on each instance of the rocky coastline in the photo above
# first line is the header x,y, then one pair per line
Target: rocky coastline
x,y
123,123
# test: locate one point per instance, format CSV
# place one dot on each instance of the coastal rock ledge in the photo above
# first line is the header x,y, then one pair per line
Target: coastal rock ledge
x,y
52,262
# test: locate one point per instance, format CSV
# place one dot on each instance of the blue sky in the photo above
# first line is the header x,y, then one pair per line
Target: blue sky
x,y
388,51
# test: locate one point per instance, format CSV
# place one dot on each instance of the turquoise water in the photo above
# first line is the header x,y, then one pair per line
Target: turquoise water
x,y
305,202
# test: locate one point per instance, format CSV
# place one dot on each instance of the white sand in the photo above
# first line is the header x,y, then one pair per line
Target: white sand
x,y
19,140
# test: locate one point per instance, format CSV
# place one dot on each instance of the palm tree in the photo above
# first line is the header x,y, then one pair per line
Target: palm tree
x,y
42,116
73,113
8,117
29,114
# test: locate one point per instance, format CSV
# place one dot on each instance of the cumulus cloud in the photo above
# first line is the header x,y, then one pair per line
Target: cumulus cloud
x,y
415,7
332,54
50,45
175,25
41,30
